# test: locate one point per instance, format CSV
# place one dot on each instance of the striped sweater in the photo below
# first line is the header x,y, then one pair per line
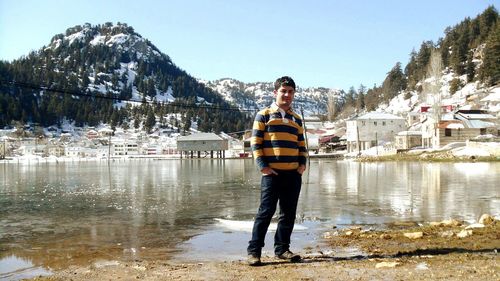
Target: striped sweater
x,y
278,142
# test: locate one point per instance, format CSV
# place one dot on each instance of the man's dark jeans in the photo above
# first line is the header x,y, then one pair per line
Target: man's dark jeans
x,y
285,189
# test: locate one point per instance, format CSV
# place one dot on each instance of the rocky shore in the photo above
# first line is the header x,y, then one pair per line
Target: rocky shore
x,y
446,250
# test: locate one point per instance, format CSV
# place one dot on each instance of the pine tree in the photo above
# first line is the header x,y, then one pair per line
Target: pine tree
x,y
150,121
350,98
487,21
137,122
186,122
490,70
360,101
394,83
411,70
114,120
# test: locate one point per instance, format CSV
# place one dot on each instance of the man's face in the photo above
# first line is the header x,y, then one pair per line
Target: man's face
x,y
284,96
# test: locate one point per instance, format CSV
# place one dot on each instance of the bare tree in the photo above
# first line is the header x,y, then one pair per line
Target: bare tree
x,y
332,105
432,84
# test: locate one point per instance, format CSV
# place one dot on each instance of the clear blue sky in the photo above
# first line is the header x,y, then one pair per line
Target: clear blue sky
x,y
334,44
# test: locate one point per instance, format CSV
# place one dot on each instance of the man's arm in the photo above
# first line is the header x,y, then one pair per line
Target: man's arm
x,y
303,154
258,128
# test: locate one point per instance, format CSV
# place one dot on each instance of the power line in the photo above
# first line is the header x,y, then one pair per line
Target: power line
x,y
102,96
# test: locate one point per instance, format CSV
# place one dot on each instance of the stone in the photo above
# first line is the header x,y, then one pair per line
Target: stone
x,y
486,219
475,225
385,236
386,264
451,222
414,235
464,233
447,234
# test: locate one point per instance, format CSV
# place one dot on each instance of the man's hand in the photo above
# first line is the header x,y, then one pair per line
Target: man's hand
x,y
301,169
268,171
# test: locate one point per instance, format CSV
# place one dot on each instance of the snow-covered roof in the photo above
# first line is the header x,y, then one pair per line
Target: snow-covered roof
x,y
455,126
410,133
379,116
105,130
451,124
200,136
460,124
478,124
476,116
448,116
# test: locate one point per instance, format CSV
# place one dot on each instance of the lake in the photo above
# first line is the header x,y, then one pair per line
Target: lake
x,y
53,215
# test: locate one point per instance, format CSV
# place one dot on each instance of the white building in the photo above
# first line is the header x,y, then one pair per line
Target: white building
x,y
32,149
202,142
121,147
74,151
372,129
151,149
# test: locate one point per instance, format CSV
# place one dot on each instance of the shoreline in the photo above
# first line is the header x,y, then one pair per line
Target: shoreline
x,y
441,252
427,156
39,159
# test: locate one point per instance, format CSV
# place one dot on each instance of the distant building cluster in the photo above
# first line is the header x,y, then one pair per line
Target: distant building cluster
x,y
104,143
429,127
424,129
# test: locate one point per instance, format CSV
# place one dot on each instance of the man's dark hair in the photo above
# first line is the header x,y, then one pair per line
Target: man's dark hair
x,y
284,81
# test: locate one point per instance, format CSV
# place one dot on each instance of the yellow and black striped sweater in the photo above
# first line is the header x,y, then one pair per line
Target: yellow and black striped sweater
x,y
278,142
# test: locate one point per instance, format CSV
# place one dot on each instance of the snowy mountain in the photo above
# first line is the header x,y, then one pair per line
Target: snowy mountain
x,y
131,50
110,74
254,96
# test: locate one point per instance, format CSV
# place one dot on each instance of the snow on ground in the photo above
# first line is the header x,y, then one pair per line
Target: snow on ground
x,y
486,149
470,152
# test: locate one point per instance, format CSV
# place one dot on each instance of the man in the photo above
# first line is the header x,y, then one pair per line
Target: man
x,y
279,150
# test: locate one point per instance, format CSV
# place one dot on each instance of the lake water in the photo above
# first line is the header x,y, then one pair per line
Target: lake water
x,y
53,215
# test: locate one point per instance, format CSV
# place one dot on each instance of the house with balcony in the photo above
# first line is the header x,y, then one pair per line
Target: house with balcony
x,y
92,134
121,147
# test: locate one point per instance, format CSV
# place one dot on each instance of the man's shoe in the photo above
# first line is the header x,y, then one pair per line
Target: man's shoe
x,y
253,260
289,256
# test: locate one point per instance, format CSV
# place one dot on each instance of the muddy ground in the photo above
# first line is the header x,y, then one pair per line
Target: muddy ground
x,y
404,251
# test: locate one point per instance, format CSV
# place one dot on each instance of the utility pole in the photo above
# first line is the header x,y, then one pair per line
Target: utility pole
x,y
304,125
357,136
109,148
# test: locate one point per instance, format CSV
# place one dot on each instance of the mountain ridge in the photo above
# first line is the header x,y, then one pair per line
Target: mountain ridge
x,y
110,61
115,61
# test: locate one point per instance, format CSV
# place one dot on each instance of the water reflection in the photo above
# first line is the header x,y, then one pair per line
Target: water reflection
x,y
15,268
55,215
